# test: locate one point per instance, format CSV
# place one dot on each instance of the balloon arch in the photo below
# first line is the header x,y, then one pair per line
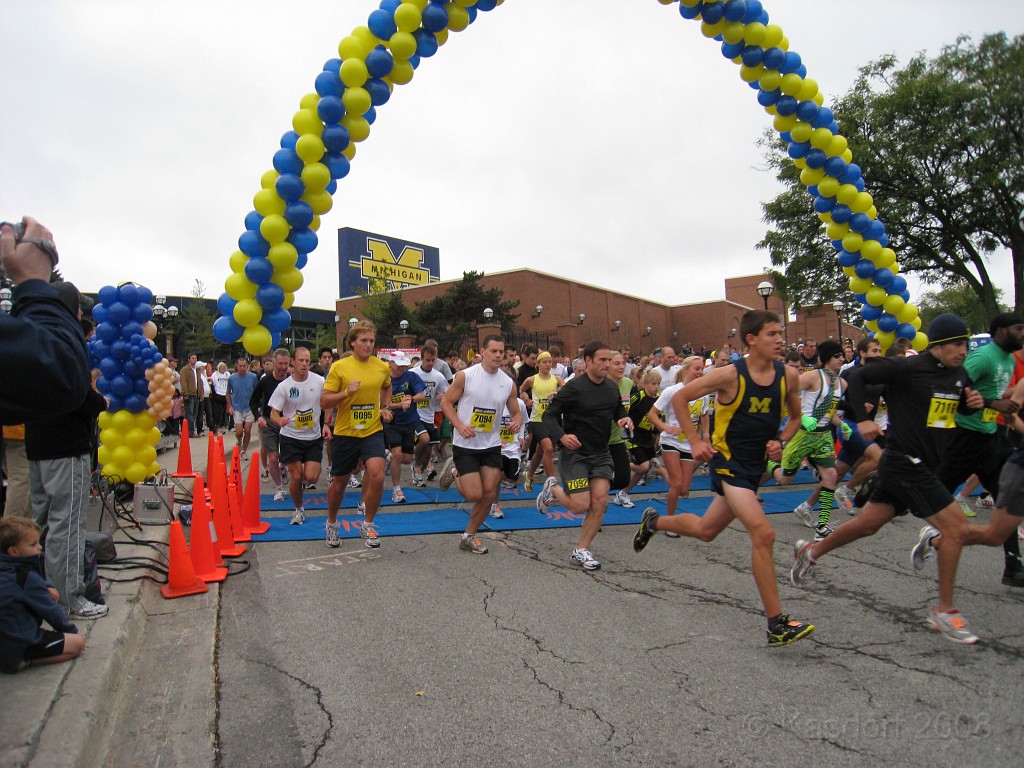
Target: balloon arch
x,y
280,232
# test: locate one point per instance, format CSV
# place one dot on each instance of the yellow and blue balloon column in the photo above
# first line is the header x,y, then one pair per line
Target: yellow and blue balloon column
x,y
129,363
281,231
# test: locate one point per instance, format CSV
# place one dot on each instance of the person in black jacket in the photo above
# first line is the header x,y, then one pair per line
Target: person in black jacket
x,y
39,337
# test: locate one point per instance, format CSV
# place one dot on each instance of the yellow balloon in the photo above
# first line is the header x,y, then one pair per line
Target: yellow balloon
x,y
104,419
907,313
256,340
847,156
837,231
315,223
290,280
750,74
893,304
352,47
784,43
809,176
772,35
238,261
154,469
853,242
770,80
358,127
732,33
111,438
754,33
861,203
103,454
871,213
122,421
885,338
846,194
135,438
850,271
248,312
289,299
401,73
267,202
269,179
111,469
282,256
916,322
408,17
309,101
356,100
239,287
828,186
886,258
353,73
791,84
274,229
315,176
920,342
135,473
310,148
308,121
837,146
349,151
872,325
875,296
860,284
808,89
802,131
711,30
819,98
821,138
783,123
370,41
403,46
800,163
320,202
146,455
123,455
871,250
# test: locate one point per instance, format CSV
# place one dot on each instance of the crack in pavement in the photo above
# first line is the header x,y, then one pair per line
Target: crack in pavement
x,y
319,702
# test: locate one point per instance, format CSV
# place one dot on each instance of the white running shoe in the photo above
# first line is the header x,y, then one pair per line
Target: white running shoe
x,y
805,514
299,517
279,496
584,558
623,500
333,539
923,550
496,512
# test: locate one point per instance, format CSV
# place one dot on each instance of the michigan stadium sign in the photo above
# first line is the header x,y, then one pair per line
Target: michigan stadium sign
x,y
370,263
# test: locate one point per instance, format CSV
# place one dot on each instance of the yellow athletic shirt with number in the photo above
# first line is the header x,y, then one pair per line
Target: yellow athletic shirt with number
x,y
541,394
358,416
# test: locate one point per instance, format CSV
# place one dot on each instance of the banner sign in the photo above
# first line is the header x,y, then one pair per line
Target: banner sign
x,y
370,263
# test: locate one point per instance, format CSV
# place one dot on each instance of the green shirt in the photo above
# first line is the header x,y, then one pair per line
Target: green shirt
x,y
990,368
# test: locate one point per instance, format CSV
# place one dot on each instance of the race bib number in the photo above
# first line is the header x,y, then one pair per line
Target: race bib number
x,y
304,419
397,399
942,413
989,415
539,406
362,415
423,403
482,420
507,435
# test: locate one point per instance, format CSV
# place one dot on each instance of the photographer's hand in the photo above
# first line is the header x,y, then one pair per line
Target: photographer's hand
x,y
26,260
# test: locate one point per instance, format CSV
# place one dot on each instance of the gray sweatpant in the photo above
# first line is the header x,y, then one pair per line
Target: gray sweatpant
x,y
60,489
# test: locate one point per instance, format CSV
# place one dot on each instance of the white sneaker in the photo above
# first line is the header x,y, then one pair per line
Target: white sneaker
x,y
986,502
584,558
623,500
333,539
496,512
299,517
546,496
279,496
844,497
805,514
923,550
361,507
89,610
355,482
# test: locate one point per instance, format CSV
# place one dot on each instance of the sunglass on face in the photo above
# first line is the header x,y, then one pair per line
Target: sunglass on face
x,y
837,354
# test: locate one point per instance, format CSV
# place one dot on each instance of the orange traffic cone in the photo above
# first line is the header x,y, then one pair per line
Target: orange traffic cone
x,y
251,499
235,512
184,454
222,517
181,576
236,468
205,552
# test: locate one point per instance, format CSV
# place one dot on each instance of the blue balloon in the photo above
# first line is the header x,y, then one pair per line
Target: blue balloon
x,y
841,214
121,385
252,221
299,215
337,164
119,313
754,11
887,322
847,259
859,222
300,262
735,10
791,63
335,138
786,136
850,174
859,184
114,404
799,149
132,369
333,65
379,62
732,50
786,106
304,240
712,13
767,98
884,277
103,385
875,230
864,268
289,187
253,245
128,294
98,348
287,161
838,245
899,284
328,84
471,11
906,331
107,294
824,204
815,158
807,111
288,140
862,298
390,5
277,320
905,296
130,328
835,166
486,5
752,55
226,330
110,367
330,109
270,296
426,42
370,115
225,304
379,92
145,295
259,271
833,127
382,24
774,58
434,18
869,312
687,12
332,186
813,190
823,118
99,314
142,313
414,61
135,403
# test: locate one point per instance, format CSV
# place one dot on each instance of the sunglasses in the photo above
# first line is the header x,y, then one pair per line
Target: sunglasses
x,y
837,354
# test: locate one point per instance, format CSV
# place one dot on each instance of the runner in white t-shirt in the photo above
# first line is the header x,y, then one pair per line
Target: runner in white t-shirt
x,y
429,410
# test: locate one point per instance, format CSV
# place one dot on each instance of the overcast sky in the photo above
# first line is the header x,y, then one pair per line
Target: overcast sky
x,y
604,141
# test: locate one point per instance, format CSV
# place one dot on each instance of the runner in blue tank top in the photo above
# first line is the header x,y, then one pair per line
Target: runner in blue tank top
x,y
750,396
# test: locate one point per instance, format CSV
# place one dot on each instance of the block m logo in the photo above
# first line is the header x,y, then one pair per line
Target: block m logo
x,y
760,404
384,271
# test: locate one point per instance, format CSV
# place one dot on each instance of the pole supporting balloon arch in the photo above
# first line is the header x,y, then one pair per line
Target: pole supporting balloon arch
x,y
281,230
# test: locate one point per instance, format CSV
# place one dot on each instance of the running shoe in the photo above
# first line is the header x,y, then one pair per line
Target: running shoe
x,y
88,610
243,456
642,481
546,495
987,502
309,486
298,518
355,482
966,507
333,539
844,498
387,463
474,545
786,631
508,485
447,475
496,512
265,475
802,562
584,558
361,507
951,625
805,514
822,531
279,496
417,477
397,497
672,534
646,530
623,500
369,534
431,472
528,483
923,550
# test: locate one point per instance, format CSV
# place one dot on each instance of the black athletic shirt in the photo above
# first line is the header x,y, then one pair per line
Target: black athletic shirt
x,y
923,397
585,409
744,426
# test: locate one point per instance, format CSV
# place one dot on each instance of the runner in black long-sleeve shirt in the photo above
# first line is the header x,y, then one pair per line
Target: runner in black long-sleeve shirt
x,y
579,418
923,394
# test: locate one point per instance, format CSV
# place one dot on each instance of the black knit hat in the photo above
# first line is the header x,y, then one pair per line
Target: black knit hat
x,y
827,349
1004,320
946,328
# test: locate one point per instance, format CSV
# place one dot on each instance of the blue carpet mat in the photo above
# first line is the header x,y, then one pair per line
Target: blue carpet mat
x,y
516,519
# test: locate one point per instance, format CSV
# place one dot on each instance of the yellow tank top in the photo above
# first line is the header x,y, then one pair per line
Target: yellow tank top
x,y
543,391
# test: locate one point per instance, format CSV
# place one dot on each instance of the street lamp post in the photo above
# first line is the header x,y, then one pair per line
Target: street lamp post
x,y
766,289
5,300
838,306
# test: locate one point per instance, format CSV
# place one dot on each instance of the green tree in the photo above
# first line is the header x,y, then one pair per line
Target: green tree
x,y
960,300
939,143
386,311
195,324
452,317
